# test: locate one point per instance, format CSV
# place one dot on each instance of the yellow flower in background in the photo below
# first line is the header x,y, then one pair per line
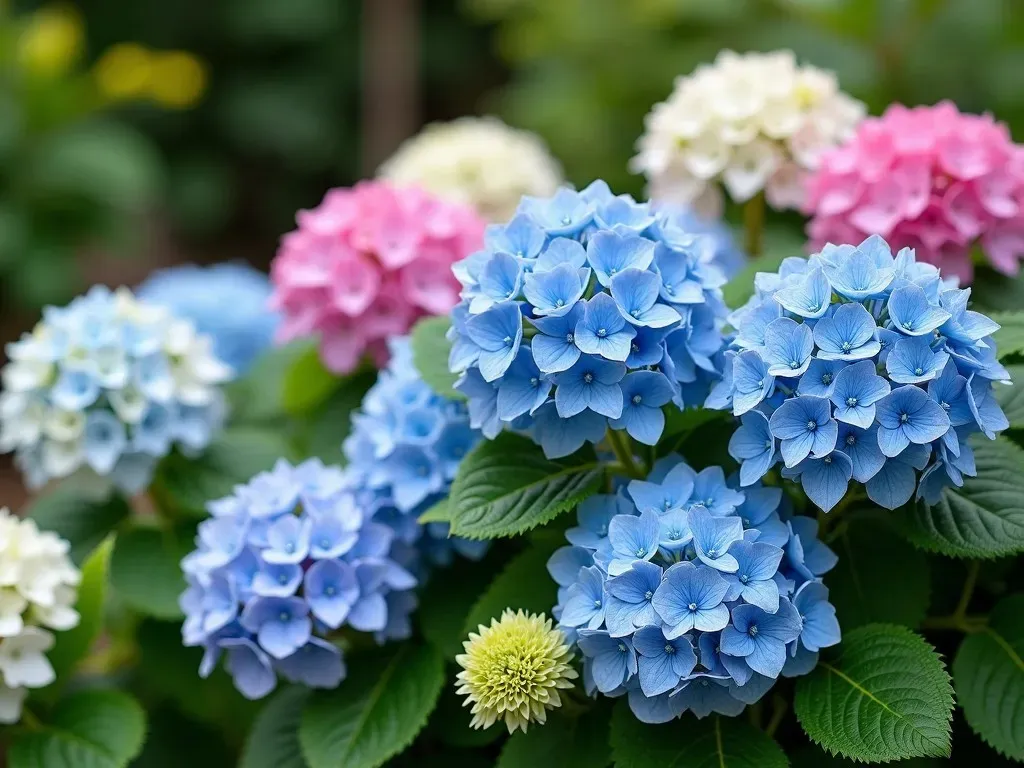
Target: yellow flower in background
x,y
123,72
51,42
513,670
177,79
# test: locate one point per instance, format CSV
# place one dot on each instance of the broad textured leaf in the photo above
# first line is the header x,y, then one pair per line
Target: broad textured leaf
x,y
879,577
327,427
714,742
988,673
72,645
376,712
1010,338
524,584
985,518
430,351
89,729
885,697
145,570
233,457
258,396
568,742
273,740
439,513
448,597
82,520
1012,398
307,384
680,424
506,486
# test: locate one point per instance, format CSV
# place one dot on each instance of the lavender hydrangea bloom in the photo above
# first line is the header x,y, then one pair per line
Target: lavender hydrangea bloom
x,y
574,296
895,362
109,385
287,559
685,592
405,447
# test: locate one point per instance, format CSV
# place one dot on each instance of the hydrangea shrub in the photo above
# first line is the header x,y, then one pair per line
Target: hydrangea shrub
x,y
858,364
109,384
586,312
685,593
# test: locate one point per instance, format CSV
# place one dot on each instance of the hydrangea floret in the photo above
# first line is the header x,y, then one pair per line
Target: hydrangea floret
x,y
685,593
933,179
110,384
365,264
228,302
403,452
749,122
38,592
855,364
285,562
587,311
513,671
476,161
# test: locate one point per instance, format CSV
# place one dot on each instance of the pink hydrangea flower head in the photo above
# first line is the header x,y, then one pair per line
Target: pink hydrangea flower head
x,y
365,264
928,178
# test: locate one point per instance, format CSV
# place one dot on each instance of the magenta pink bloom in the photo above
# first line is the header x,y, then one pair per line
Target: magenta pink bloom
x,y
365,264
928,178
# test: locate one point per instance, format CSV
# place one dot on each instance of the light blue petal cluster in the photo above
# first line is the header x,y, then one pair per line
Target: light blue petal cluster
x,y
855,364
685,592
228,302
588,311
403,452
109,385
284,562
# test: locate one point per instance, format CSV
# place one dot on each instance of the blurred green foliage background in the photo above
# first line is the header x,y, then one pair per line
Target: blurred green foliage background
x,y
95,161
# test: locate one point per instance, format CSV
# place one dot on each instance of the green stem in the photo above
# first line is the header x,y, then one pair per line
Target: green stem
x,y
968,591
619,443
30,721
966,624
754,712
753,225
779,709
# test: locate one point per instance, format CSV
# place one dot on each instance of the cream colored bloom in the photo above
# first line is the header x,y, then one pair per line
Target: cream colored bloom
x,y
513,670
476,161
749,122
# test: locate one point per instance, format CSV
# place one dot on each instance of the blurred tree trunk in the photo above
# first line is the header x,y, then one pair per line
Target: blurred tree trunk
x,y
391,77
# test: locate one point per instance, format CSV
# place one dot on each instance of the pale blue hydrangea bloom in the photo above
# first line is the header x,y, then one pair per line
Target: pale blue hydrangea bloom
x,y
403,452
570,301
227,301
685,592
855,364
110,385
281,564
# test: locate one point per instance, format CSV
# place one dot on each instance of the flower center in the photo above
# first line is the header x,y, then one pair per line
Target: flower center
x,y
826,379
851,401
768,445
284,617
669,648
567,220
325,544
560,303
570,338
588,377
508,340
846,346
329,591
641,552
622,648
851,440
648,595
744,578
597,603
534,381
602,332
637,399
752,631
692,606
944,405
919,371
794,364
812,425
909,325
904,418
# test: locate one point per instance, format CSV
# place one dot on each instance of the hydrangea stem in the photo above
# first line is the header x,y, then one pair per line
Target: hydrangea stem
x,y
959,620
779,708
753,225
619,443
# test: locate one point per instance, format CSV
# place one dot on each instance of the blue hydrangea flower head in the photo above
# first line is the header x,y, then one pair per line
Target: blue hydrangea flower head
x,y
589,311
864,367
687,593
228,302
109,385
284,562
405,447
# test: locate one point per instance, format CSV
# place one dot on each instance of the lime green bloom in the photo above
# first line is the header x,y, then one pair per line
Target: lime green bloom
x,y
513,670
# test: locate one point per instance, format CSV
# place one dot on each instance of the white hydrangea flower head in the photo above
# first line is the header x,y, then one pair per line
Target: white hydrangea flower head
x,y
38,592
108,384
748,122
477,161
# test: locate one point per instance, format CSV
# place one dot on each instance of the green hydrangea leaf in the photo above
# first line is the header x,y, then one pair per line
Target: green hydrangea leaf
x,y
1009,338
988,673
506,486
273,740
985,518
89,729
376,712
714,742
568,742
307,383
1011,399
524,584
885,697
874,562
430,351
75,516
324,429
145,570
257,397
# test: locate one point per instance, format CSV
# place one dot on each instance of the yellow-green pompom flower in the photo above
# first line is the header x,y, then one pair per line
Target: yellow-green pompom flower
x,y
513,670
